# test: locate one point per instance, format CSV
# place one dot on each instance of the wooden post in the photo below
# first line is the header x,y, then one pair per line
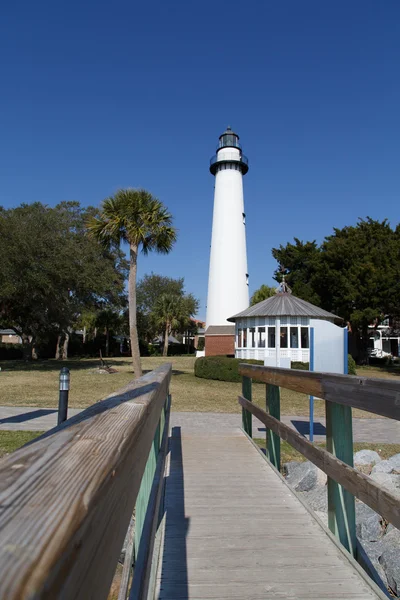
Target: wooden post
x,y
341,505
273,403
246,415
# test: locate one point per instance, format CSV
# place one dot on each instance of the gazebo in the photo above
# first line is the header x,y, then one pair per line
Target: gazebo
x,y
277,330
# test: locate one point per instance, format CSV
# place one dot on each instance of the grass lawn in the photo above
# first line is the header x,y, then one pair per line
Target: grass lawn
x,y
36,384
288,453
11,440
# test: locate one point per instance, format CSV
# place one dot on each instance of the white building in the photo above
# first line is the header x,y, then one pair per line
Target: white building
x,y
228,291
384,339
277,330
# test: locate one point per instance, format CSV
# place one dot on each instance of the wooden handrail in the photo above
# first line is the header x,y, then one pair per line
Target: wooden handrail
x,y
66,500
358,484
379,396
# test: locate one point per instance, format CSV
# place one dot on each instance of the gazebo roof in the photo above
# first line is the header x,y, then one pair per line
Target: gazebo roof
x,y
284,304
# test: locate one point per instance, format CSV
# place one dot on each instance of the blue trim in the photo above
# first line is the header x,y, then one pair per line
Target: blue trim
x,y
345,351
311,434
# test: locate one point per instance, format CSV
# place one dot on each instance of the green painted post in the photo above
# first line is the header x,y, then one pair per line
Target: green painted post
x,y
246,415
273,405
341,505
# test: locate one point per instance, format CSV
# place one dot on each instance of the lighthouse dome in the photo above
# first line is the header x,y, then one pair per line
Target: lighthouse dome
x,y
228,139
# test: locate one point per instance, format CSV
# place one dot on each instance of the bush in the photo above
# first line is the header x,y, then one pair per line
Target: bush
x,y
301,366
201,343
221,368
11,351
351,365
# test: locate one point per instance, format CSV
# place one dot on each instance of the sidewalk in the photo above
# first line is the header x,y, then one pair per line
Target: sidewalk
x,y
375,430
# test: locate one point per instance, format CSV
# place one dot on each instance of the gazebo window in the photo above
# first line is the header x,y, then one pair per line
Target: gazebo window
x,y
253,337
244,338
304,337
294,337
271,337
240,338
261,337
284,337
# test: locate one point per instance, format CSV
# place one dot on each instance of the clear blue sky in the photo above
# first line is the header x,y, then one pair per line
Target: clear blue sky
x,y
101,95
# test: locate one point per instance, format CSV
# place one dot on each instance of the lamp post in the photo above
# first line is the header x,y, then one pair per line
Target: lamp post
x,y
63,398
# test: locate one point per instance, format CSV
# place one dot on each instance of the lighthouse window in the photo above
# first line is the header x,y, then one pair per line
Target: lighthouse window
x,y
253,337
244,218
304,337
284,337
271,337
294,337
261,337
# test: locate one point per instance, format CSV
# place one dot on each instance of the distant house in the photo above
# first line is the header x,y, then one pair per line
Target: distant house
x,y
8,336
384,339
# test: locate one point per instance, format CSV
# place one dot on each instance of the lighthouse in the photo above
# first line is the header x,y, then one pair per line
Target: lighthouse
x,y
228,291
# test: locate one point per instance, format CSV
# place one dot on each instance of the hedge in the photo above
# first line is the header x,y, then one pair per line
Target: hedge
x,y
223,368
11,351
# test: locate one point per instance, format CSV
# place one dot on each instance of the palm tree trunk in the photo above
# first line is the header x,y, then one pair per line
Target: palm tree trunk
x,y
166,336
137,367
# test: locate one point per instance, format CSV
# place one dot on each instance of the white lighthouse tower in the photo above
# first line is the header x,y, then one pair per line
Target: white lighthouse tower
x,y
228,291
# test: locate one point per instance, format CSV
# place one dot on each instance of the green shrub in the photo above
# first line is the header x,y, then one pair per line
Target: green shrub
x,y
201,344
351,365
221,368
11,351
301,366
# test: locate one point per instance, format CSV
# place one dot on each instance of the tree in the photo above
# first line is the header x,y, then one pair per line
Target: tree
x,y
50,271
143,222
108,320
354,273
149,289
172,312
263,292
299,262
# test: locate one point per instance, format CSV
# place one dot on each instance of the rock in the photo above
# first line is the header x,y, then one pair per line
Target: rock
x,y
368,523
317,499
382,467
304,476
390,559
366,457
389,481
374,551
395,462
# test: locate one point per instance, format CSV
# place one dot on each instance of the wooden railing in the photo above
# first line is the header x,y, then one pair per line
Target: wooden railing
x,y
67,499
341,393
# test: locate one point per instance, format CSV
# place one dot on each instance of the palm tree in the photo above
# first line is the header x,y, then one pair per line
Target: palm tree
x,y
142,221
168,314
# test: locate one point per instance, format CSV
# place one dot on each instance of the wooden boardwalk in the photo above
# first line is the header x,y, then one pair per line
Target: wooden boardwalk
x,y
233,529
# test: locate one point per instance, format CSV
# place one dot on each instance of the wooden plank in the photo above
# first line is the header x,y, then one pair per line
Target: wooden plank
x,y
66,500
247,423
379,396
142,585
273,402
357,483
212,548
341,505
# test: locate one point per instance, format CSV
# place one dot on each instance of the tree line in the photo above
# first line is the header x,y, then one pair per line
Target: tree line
x,y
64,268
354,273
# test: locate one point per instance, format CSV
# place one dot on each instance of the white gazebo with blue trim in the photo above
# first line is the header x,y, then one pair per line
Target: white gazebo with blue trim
x,y
277,330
